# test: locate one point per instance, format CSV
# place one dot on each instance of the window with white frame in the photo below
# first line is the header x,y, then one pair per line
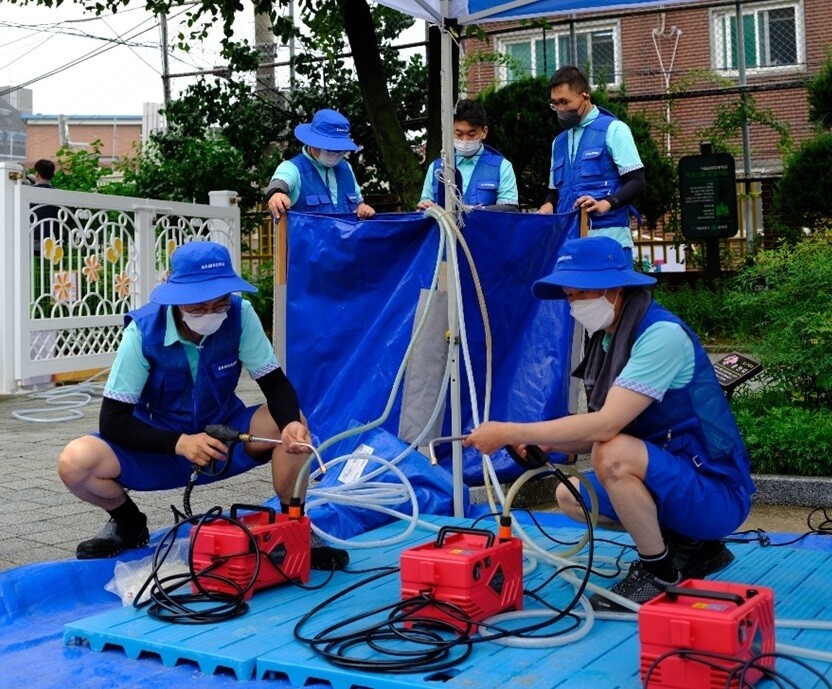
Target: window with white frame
x,y
598,52
773,36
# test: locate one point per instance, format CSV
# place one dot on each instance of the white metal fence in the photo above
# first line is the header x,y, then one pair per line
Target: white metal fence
x,y
74,263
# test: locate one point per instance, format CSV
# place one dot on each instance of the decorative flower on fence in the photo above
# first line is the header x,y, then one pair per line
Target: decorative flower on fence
x,y
62,287
171,246
52,250
122,285
91,268
115,250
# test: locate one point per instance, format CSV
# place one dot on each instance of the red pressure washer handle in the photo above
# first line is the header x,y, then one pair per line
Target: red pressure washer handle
x,y
673,592
440,537
253,508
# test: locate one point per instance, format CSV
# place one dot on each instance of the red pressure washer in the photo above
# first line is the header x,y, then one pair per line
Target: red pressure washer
x,y
466,569
222,551
705,617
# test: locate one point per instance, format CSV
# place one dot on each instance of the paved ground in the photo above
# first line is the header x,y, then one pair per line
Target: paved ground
x,y
42,521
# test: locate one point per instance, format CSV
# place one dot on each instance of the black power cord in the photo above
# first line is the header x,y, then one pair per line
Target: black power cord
x,y
205,605
411,640
739,668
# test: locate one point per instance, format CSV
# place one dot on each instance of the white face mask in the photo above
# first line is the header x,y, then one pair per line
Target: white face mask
x,y
330,158
204,325
467,147
593,314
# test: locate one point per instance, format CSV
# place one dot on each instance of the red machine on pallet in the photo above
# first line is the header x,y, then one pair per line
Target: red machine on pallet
x,y
223,550
734,620
465,568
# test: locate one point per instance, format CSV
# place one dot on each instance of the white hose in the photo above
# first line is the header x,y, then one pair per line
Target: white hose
x,y
65,403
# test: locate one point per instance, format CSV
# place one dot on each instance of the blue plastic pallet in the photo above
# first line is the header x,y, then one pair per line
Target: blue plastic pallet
x,y
261,644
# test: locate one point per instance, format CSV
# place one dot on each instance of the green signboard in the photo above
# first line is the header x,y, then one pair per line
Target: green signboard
x,y
708,193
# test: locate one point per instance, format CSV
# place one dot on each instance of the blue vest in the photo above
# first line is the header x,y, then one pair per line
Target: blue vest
x,y
592,173
171,399
695,419
484,183
314,192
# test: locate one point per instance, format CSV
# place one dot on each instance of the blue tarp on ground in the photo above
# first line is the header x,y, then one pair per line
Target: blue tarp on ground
x,y
36,601
353,290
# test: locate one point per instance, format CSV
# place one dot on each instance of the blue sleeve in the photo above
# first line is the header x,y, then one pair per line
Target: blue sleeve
x,y
256,351
622,148
662,359
288,172
130,370
507,191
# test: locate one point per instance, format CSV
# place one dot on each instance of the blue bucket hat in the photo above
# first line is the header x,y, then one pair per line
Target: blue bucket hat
x,y
329,130
590,263
199,271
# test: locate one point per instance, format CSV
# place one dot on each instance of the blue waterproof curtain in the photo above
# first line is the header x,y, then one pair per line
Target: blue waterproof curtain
x,y
353,288
352,292
530,338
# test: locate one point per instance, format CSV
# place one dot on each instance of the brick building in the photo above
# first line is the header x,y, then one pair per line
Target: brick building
x,y
688,51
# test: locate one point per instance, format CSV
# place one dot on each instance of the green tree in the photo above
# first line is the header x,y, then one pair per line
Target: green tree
x,y
330,21
79,169
798,199
820,95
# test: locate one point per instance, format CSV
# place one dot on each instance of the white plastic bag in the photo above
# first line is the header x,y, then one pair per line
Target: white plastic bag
x,y
129,577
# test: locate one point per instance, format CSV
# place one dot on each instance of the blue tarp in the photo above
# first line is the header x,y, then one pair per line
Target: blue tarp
x,y
353,290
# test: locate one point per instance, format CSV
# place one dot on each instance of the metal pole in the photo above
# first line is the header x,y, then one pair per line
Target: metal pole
x,y
746,134
163,29
448,170
573,42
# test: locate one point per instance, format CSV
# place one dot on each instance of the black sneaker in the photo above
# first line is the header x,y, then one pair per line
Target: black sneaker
x,y
328,559
698,559
638,586
114,538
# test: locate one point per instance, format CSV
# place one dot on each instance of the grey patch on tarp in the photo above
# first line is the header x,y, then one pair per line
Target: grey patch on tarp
x,y
423,376
576,385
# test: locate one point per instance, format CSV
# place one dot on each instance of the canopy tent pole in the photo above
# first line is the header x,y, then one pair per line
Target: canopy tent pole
x,y
448,172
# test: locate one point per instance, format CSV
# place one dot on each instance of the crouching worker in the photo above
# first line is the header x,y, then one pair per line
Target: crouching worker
x,y
175,372
669,464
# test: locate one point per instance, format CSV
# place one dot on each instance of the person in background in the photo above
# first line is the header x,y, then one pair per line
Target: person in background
x,y
45,220
669,464
484,178
175,372
319,179
595,164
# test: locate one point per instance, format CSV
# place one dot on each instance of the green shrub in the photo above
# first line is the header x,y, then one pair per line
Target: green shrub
x,y
784,439
701,306
798,200
784,302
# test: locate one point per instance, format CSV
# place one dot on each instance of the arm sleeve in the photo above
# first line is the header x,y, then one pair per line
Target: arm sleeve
x,y
281,397
117,424
357,188
275,186
632,185
288,173
427,187
256,351
552,197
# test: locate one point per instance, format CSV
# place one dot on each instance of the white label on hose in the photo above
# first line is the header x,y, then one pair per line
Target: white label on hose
x,y
354,468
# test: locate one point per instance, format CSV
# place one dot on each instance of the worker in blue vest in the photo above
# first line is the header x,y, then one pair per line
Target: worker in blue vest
x,y
319,179
595,164
669,464
483,177
175,372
